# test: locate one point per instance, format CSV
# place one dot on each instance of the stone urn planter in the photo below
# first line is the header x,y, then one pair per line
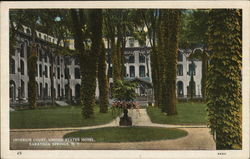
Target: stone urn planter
x,y
125,120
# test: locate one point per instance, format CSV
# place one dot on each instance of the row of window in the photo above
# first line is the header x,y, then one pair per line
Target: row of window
x,y
142,72
180,70
42,92
13,89
77,70
40,54
41,73
190,88
13,65
131,59
66,72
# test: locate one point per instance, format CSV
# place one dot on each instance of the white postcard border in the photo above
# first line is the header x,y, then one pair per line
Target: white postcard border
x,y
4,82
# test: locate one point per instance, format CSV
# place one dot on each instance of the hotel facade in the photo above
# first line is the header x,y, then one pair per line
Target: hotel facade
x,y
67,70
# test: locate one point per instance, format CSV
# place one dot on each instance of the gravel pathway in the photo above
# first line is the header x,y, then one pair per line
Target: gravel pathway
x,y
198,137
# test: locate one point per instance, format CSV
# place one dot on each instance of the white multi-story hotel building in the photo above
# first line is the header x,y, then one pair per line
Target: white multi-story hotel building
x,y
67,69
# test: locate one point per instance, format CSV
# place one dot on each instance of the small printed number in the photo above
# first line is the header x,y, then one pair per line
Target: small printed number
x,y
19,153
222,153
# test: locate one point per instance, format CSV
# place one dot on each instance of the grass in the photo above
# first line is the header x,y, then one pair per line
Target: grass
x,y
188,113
128,134
56,117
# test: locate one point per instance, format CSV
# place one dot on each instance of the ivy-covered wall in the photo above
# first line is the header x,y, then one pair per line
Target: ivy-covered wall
x,y
224,78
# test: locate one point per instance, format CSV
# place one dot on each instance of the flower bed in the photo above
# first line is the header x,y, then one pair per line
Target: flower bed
x,y
125,105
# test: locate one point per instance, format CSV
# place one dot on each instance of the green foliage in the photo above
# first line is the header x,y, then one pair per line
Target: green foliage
x,y
140,35
194,27
124,90
224,82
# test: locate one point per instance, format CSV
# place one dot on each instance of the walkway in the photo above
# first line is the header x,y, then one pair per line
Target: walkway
x,y
198,137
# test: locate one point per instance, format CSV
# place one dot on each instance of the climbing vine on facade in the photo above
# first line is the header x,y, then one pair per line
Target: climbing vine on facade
x,y
224,78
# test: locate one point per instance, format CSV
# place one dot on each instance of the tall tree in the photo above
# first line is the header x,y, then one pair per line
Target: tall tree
x,y
79,20
117,26
103,81
170,29
95,28
160,61
112,25
224,82
32,65
82,30
151,19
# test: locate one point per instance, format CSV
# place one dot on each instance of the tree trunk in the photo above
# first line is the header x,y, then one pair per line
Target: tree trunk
x,y
87,110
170,27
118,51
103,82
32,65
123,45
161,68
52,79
116,73
89,71
154,70
204,75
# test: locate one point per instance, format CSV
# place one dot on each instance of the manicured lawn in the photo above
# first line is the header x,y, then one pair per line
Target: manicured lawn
x,y
188,113
128,134
56,117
